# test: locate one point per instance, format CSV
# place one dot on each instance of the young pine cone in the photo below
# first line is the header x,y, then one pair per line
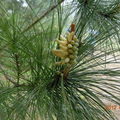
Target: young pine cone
x,y
68,49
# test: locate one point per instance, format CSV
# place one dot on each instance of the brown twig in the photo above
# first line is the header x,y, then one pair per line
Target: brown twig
x,y
42,16
7,77
10,80
17,66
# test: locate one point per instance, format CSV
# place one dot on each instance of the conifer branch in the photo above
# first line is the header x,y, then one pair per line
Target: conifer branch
x,y
17,67
42,16
7,77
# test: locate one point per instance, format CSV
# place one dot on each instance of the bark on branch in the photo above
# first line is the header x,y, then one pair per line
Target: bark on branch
x,y
6,76
42,16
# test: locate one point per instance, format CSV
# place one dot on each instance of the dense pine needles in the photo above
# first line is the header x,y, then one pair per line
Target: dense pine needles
x,y
32,87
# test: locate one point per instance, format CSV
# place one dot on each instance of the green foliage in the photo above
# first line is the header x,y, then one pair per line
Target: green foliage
x,y
32,87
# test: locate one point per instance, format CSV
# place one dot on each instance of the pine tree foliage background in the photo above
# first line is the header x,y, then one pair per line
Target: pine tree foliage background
x,y
31,87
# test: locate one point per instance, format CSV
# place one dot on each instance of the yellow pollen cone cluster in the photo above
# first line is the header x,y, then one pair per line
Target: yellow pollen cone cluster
x,y
68,49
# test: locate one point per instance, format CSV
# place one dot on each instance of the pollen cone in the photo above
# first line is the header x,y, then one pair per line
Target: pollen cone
x,y
70,36
63,43
59,53
62,38
63,48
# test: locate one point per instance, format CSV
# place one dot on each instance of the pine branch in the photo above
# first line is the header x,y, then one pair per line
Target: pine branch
x,y
42,16
17,66
16,84
7,77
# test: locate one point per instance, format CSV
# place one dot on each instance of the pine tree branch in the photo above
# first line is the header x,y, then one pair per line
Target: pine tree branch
x,y
7,77
17,66
42,16
16,84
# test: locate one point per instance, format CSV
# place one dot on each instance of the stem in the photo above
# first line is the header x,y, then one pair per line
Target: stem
x,y
10,80
6,76
18,67
42,16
